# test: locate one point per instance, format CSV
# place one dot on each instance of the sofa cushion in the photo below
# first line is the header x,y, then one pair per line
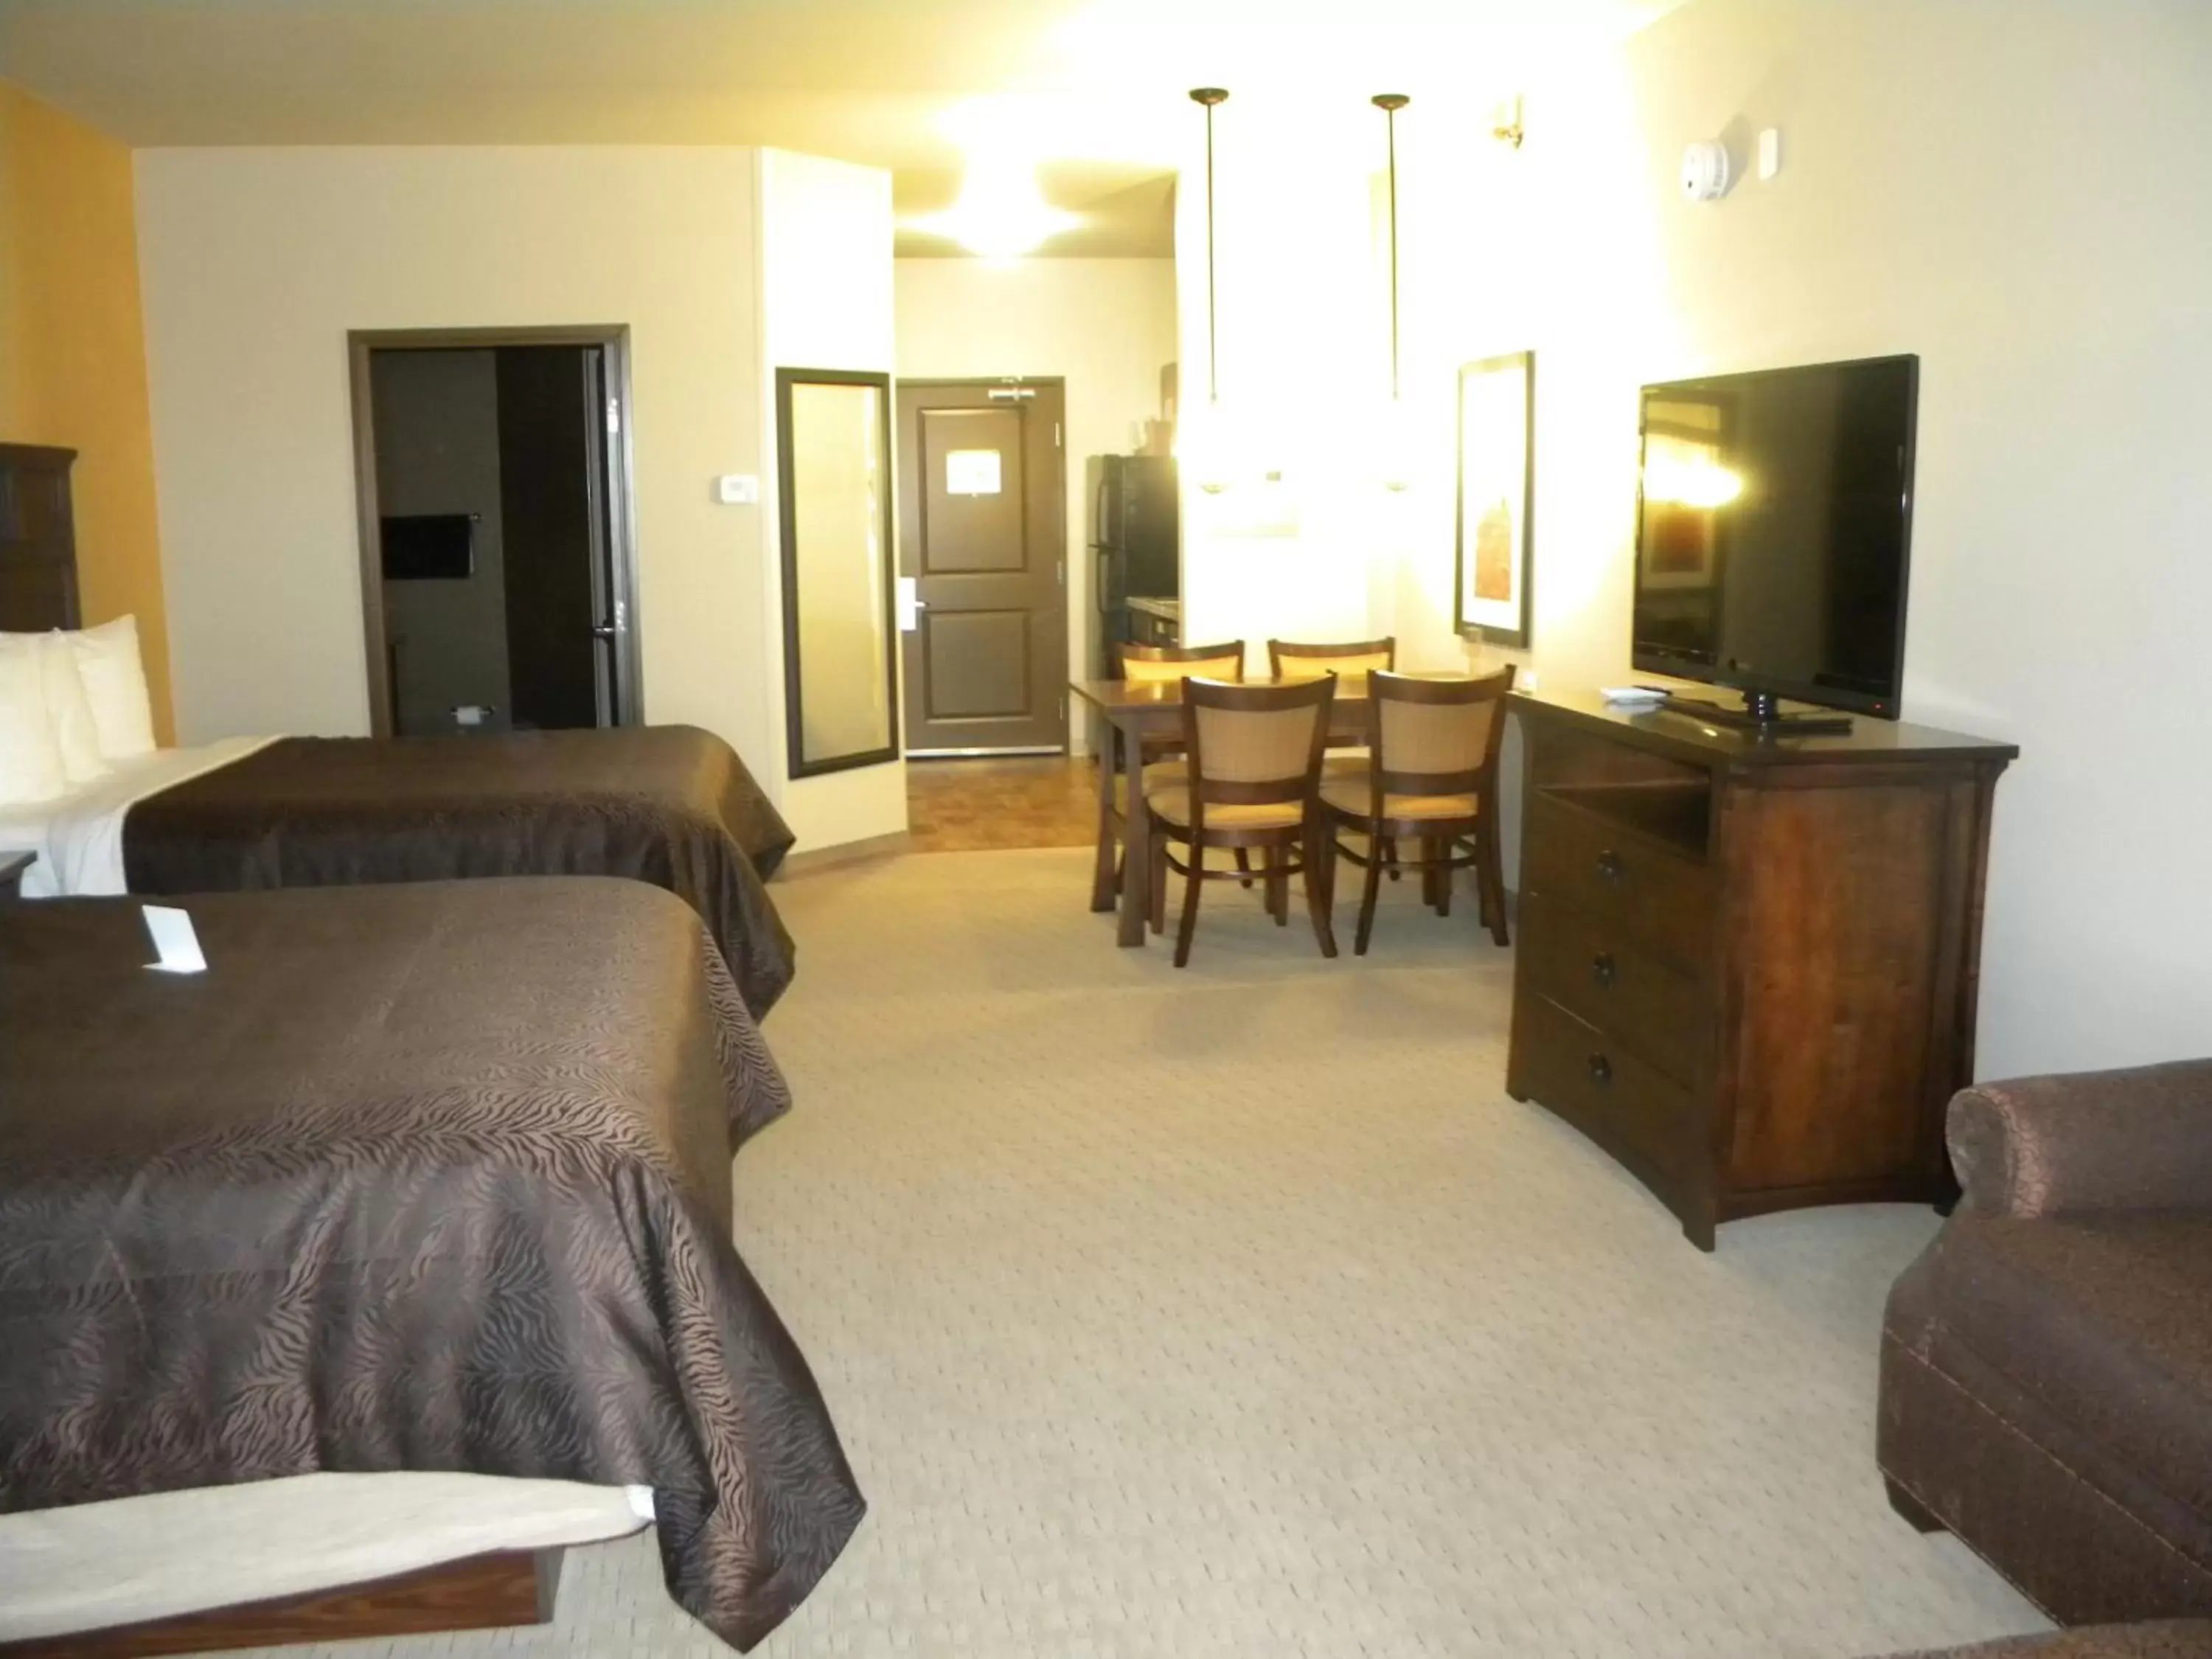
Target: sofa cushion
x,y
2105,1320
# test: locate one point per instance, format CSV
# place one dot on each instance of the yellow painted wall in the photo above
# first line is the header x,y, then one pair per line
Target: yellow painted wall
x,y
73,354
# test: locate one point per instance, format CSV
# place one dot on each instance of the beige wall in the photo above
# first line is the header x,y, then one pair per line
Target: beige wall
x,y
1302,350
1105,326
73,356
2019,194
256,264
2016,192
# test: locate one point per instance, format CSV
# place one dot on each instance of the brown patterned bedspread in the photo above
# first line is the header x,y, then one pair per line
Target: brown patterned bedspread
x,y
426,1177
669,804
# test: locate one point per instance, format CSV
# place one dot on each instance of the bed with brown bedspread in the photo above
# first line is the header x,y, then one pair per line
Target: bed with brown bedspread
x,y
668,804
432,1178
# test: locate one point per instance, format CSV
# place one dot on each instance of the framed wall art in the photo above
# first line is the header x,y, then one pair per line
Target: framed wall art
x,y
1497,489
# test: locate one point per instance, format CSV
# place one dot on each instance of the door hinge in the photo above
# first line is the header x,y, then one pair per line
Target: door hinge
x,y
1055,434
614,418
1060,573
622,615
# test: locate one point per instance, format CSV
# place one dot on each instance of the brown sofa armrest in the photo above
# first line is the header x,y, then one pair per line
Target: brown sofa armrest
x,y
2134,1139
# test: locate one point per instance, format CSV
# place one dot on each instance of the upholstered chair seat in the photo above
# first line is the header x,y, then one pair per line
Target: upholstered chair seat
x,y
1158,774
1172,805
1351,793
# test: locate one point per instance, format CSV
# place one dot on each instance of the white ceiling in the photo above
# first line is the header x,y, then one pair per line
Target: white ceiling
x,y
1092,89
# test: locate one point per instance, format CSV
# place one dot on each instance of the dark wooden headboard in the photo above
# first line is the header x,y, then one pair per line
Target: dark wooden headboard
x,y
37,540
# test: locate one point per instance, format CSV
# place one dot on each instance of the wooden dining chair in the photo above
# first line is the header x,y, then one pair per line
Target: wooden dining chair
x,y
1290,660
1140,665
1432,785
1251,781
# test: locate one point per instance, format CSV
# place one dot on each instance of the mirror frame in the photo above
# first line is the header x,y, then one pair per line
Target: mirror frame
x,y
796,764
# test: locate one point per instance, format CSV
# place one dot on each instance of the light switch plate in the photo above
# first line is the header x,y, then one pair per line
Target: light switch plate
x,y
737,489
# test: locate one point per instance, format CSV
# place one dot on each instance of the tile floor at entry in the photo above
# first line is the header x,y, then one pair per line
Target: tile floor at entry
x,y
982,804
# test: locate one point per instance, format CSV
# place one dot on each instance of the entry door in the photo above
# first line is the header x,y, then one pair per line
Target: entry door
x,y
983,541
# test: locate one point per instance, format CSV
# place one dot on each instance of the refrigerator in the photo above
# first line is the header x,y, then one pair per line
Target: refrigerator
x,y
1135,541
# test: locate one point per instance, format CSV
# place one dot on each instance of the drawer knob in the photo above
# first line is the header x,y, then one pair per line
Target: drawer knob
x,y
1602,969
1610,869
1600,1069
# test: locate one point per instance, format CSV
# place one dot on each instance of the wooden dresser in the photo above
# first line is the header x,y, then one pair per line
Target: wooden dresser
x,y
1748,964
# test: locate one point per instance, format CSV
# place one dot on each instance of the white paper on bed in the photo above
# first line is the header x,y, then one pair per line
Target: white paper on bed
x,y
78,836
93,1565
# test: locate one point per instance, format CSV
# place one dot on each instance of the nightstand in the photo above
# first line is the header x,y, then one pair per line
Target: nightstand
x,y
12,865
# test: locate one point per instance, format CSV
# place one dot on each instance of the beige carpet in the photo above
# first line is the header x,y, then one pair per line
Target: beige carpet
x,y
1237,1311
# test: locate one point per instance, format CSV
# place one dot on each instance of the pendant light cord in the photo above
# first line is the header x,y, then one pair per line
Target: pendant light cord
x,y
1390,103
1209,96
1212,345
1391,116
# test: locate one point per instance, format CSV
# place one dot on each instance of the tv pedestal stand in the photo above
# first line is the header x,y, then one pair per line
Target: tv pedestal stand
x,y
1747,969
1762,713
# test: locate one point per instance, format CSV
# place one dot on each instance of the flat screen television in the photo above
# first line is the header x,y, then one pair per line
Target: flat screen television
x,y
1773,530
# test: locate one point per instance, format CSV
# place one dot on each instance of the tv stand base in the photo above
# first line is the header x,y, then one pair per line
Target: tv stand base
x,y
1761,712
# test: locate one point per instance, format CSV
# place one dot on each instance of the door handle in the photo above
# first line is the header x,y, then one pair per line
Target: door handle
x,y
910,603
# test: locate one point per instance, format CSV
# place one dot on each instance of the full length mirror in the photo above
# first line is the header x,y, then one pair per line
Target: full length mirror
x,y
833,439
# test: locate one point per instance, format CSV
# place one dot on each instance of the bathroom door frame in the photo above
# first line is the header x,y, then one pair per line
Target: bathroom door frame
x,y
615,483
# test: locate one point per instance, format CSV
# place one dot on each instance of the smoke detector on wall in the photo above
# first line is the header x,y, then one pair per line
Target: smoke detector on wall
x,y
1706,172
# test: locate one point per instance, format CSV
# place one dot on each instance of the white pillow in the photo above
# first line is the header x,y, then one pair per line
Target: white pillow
x,y
69,711
115,685
30,760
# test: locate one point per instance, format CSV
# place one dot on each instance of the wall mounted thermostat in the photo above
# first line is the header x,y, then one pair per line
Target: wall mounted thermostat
x,y
737,489
1706,171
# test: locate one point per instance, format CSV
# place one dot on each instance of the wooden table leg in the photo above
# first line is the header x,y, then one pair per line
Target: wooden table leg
x,y
1137,844
1102,878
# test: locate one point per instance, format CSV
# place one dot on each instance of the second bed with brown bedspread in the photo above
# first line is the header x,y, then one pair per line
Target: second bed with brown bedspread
x,y
431,1177
668,804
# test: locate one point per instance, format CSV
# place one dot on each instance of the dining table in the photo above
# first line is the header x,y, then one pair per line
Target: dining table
x,y
1136,709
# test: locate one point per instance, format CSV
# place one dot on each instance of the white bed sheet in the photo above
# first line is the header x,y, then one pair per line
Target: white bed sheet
x,y
94,1565
79,837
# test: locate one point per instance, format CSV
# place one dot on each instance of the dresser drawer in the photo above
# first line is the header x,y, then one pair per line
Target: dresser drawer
x,y
1631,997
1661,901
1594,1082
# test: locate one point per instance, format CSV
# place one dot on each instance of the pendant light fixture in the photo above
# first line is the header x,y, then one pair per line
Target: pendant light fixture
x,y
1395,472
1200,442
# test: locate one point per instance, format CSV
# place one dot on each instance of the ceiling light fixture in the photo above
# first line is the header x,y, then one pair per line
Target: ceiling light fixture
x,y
1000,213
1203,451
1395,472
1508,129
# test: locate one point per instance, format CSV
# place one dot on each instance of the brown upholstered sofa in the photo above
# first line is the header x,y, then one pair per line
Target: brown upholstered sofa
x,y
2047,1364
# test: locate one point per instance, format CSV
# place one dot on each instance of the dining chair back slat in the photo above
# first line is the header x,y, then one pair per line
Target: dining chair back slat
x,y
1290,660
1435,737
1154,664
